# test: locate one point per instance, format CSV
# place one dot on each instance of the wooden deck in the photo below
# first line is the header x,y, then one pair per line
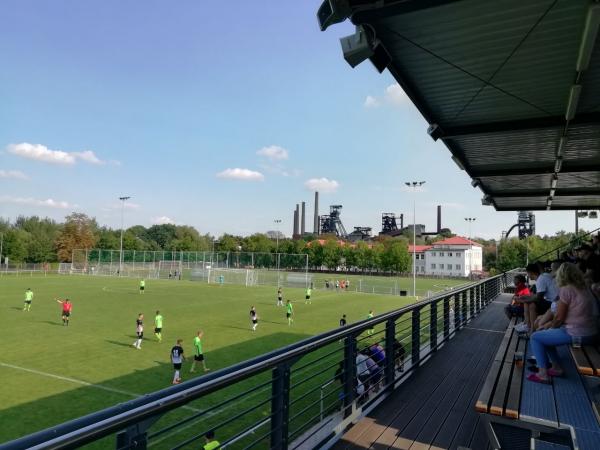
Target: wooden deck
x,y
434,409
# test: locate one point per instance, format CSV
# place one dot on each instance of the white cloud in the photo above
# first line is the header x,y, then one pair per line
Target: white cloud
x,y
50,203
396,95
274,152
371,102
241,174
39,152
322,185
14,174
162,220
393,95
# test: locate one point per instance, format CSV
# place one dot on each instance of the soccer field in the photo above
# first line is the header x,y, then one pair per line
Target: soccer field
x,y
52,373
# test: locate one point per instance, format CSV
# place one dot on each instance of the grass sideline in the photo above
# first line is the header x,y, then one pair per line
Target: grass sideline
x,y
53,373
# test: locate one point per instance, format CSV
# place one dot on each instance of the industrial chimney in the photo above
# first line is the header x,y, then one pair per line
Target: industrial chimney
x,y
439,219
303,219
401,222
296,218
316,220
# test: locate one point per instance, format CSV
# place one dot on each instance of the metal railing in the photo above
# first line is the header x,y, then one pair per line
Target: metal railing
x,y
295,397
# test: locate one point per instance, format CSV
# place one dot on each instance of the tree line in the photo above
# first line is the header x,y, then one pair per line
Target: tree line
x,y
38,240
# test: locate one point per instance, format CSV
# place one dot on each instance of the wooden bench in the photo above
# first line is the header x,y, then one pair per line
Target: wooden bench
x,y
587,359
501,391
566,410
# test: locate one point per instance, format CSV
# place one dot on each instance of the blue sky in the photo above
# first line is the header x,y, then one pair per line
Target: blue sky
x,y
157,100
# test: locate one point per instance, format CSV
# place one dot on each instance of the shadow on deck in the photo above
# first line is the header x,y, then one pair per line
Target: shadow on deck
x,y
434,408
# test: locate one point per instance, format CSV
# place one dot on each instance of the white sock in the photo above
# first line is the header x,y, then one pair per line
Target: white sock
x,y
254,327
176,377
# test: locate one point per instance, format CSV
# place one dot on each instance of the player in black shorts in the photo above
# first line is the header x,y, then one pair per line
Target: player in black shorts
x,y
177,359
139,331
253,318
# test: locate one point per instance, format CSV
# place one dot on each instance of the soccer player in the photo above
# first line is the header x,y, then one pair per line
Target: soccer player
x,y
289,312
142,286
198,355
28,299
66,310
253,318
279,297
343,321
139,331
158,323
177,359
308,294
371,330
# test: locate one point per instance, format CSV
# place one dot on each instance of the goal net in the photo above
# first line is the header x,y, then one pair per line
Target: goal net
x,y
247,277
169,270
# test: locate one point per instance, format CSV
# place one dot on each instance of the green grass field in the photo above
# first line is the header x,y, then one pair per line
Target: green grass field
x,y
53,373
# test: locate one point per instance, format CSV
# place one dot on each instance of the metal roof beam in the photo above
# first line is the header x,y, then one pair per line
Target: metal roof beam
x,y
519,125
568,192
394,8
546,168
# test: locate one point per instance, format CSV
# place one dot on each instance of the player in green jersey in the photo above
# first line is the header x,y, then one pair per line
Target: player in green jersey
x,y
198,355
308,294
158,324
371,330
142,286
289,312
28,299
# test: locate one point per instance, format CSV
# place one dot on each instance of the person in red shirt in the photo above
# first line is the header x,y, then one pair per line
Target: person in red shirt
x,y
66,310
515,309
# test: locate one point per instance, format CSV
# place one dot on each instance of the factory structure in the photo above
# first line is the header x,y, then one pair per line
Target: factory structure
x,y
331,224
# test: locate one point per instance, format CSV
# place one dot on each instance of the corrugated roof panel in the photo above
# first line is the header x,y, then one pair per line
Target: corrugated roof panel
x,y
520,202
479,43
577,202
516,183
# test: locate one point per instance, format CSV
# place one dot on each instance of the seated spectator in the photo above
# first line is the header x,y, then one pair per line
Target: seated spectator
x,y
375,372
543,322
378,354
515,309
575,318
362,371
399,355
537,304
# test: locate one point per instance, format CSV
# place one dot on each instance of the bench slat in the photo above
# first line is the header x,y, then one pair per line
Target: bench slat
x,y
503,383
485,396
584,366
514,393
483,402
593,355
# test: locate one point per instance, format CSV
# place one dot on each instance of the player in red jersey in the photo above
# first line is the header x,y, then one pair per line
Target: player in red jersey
x,y
67,306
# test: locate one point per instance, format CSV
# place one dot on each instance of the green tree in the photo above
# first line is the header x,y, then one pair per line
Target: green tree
x,y
395,256
332,254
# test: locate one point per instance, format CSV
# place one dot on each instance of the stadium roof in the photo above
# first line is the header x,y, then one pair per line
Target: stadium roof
x,y
511,87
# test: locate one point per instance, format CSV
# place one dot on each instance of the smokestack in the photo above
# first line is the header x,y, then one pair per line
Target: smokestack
x,y
316,223
439,217
401,221
297,220
303,219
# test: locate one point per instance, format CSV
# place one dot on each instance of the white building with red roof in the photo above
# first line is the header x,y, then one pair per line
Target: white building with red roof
x,y
452,257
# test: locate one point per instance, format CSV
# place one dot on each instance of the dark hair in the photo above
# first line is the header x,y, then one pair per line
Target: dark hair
x,y
533,268
520,278
210,434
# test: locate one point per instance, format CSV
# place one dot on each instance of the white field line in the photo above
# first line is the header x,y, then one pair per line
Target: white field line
x,y
81,382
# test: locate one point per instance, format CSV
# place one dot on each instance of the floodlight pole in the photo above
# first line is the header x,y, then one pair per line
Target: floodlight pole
x,y
414,185
277,222
123,200
1,245
470,220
